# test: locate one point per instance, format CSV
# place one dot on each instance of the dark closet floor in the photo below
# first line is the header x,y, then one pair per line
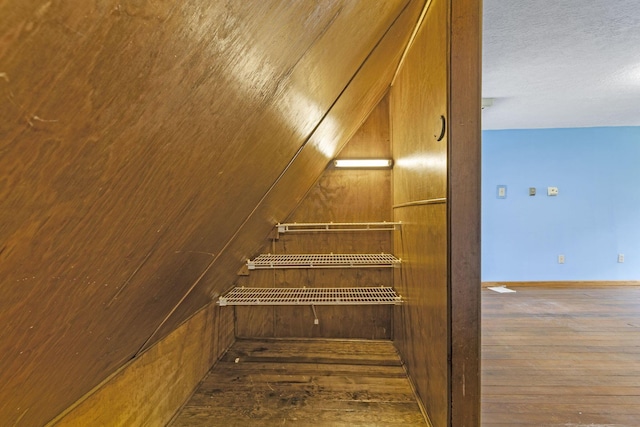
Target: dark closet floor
x,y
305,383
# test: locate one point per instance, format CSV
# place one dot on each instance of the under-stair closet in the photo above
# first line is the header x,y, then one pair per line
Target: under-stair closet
x,y
348,257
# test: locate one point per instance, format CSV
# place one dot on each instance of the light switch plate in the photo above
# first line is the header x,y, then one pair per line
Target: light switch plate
x,y
502,191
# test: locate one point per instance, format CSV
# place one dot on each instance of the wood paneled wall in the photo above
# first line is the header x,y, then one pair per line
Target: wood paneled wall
x,y
150,389
418,99
439,243
145,149
338,196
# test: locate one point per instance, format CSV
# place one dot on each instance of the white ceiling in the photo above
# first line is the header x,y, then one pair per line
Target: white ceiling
x,y
561,63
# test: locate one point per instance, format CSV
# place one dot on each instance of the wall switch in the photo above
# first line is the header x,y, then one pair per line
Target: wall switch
x,y
620,257
552,191
532,191
502,191
560,259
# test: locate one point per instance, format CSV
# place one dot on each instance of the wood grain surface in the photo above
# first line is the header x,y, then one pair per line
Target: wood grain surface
x,y
463,180
303,382
150,389
136,140
418,98
421,322
435,122
559,357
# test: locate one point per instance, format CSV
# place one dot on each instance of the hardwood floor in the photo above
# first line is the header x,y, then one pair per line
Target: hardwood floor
x,y
550,357
561,357
305,382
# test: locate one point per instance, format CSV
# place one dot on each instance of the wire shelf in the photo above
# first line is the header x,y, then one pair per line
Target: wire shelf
x,y
296,227
269,261
310,296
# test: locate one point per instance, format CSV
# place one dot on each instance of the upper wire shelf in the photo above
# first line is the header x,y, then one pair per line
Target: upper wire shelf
x,y
270,261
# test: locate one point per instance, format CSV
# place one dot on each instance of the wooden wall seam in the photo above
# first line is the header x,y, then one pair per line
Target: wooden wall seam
x,y
421,203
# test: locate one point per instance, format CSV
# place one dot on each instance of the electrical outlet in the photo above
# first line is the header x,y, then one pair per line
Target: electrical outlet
x,y
621,258
552,191
560,259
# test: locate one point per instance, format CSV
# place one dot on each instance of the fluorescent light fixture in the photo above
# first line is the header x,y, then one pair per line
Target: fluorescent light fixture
x,y
363,163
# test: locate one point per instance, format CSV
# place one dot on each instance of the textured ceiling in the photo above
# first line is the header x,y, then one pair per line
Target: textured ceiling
x,y
561,63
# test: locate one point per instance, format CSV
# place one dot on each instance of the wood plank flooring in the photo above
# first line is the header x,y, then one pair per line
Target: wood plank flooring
x,y
305,382
561,357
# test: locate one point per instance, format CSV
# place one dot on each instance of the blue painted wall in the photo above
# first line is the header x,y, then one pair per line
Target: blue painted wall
x,y
595,216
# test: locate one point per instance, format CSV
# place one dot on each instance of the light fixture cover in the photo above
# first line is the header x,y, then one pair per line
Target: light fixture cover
x,y
363,163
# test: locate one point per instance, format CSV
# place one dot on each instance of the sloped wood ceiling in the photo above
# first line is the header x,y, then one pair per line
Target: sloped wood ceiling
x,y
146,149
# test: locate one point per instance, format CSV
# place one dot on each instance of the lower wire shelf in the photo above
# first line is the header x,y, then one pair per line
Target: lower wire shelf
x,y
310,296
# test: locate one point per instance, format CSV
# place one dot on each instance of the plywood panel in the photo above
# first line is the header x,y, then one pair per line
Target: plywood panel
x,y
328,278
421,323
360,96
354,322
137,138
348,196
254,321
419,99
150,389
372,140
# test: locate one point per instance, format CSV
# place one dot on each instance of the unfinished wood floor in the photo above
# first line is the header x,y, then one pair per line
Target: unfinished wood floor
x,y
305,383
561,357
